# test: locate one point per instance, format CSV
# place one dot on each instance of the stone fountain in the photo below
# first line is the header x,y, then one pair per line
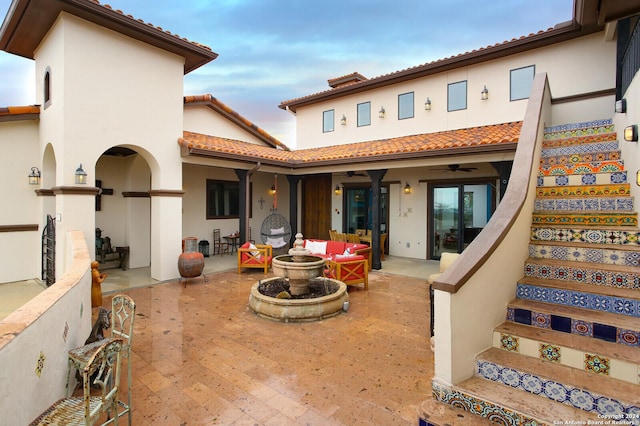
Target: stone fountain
x,y
299,268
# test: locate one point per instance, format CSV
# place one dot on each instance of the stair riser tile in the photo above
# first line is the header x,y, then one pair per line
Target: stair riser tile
x,y
554,390
585,254
587,157
583,191
480,407
582,168
584,128
614,178
585,219
576,326
583,275
591,236
618,369
567,149
609,204
603,303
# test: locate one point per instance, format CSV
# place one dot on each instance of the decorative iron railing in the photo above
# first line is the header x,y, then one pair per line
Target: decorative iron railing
x,y
49,252
630,61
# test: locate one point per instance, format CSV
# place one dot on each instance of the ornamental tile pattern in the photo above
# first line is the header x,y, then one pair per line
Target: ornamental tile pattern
x,y
581,129
583,275
549,352
586,254
579,158
481,407
566,394
569,150
586,219
596,363
583,190
509,342
582,235
614,178
581,168
584,204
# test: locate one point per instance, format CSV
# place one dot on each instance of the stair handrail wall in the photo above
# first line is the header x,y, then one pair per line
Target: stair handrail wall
x,y
470,296
36,337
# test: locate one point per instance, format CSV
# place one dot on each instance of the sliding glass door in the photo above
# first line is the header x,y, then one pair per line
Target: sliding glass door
x,y
458,213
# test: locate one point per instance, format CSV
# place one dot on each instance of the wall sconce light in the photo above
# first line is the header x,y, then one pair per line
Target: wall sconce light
x,y
407,188
427,104
337,190
631,133
621,106
343,120
484,95
81,175
638,178
381,112
34,176
273,190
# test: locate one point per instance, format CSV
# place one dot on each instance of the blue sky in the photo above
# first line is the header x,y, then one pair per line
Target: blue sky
x,y
275,50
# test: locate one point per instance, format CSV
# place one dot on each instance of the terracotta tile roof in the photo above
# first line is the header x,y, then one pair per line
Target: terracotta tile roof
x,y
352,78
472,140
232,115
15,113
505,48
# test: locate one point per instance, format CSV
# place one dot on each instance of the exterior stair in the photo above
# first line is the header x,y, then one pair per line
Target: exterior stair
x,y
568,351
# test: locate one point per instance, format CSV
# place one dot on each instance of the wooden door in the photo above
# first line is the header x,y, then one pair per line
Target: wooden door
x,y
316,206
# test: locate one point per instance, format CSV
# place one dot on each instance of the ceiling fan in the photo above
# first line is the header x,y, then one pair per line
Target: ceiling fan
x,y
457,168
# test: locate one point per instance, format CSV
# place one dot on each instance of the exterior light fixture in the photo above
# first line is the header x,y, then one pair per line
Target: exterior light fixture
x,y
34,176
638,178
484,95
631,133
621,106
343,120
381,112
337,190
273,190
407,188
81,175
427,104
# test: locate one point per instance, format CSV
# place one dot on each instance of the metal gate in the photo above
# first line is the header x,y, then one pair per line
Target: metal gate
x,y
49,251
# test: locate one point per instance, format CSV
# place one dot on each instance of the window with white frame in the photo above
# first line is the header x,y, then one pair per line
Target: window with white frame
x,y
328,120
457,96
364,114
521,81
405,106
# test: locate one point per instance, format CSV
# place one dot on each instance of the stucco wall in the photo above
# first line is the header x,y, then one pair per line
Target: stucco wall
x,y
35,340
202,119
630,150
562,62
19,144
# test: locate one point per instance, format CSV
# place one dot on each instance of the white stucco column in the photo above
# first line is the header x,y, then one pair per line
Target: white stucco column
x,y
74,210
443,337
166,233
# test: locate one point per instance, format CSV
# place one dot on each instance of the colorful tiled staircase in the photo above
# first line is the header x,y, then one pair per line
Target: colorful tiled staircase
x,y
568,350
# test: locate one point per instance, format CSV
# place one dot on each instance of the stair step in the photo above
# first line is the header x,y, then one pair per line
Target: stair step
x,y
551,158
504,404
584,273
610,255
593,393
435,413
582,130
583,190
575,218
603,235
603,325
597,204
628,354
582,168
612,178
606,299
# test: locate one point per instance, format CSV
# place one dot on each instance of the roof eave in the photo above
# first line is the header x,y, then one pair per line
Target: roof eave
x,y
28,21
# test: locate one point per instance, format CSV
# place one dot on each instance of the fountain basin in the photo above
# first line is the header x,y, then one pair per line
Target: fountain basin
x,y
299,269
298,310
